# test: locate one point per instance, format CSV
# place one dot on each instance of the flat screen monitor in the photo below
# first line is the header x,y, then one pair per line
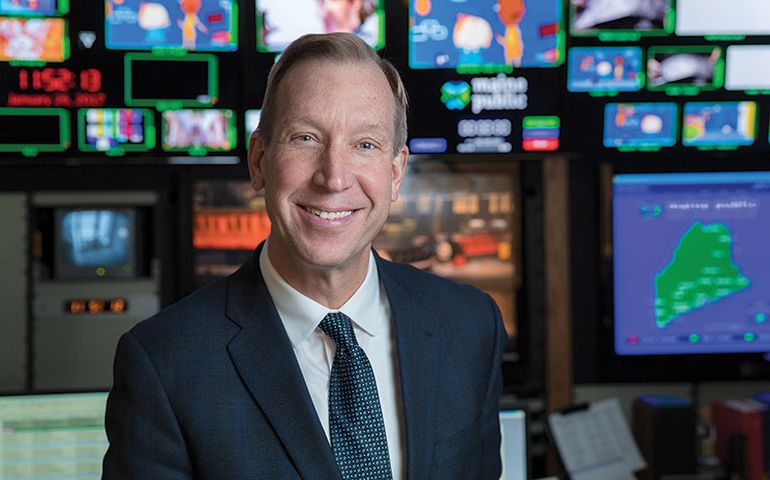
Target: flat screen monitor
x,y
605,69
640,125
34,129
33,7
116,129
52,436
189,81
638,17
715,124
280,22
715,17
33,39
514,445
206,25
461,227
485,34
202,130
697,68
92,243
742,72
690,263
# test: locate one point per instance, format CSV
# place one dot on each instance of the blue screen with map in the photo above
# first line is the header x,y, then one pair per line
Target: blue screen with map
x,y
640,125
478,33
208,25
691,263
605,69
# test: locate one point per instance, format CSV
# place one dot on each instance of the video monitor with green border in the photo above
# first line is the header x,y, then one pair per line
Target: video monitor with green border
x,y
189,80
33,40
719,125
621,20
46,8
685,70
198,131
115,130
33,130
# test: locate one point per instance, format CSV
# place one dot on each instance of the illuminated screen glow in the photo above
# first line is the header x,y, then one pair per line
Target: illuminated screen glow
x,y
640,125
690,263
52,436
106,129
514,444
198,129
605,69
485,33
280,22
95,243
207,25
591,17
33,39
719,123
700,67
742,72
714,17
30,7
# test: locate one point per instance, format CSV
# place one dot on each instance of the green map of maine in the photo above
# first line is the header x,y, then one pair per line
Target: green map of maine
x,y
701,271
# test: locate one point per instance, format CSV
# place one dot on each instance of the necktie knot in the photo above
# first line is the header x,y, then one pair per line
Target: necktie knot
x,y
339,327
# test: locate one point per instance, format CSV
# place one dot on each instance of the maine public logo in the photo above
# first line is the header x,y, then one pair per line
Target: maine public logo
x,y
486,93
456,95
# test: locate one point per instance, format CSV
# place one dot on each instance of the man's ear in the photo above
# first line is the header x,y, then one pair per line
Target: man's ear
x,y
399,170
256,155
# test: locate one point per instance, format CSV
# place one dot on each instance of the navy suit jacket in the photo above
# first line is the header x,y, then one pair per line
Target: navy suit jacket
x,y
211,389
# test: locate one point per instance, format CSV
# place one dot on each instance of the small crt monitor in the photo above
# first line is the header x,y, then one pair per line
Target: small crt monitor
x,y
280,22
640,125
206,25
95,242
513,445
685,69
52,436
690,263
719,124
115,130
605,69
485,35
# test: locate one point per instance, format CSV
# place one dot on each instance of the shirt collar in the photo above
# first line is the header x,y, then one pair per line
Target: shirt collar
x,y
301,314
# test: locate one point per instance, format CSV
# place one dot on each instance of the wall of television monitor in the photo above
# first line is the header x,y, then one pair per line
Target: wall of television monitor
x,y
181,81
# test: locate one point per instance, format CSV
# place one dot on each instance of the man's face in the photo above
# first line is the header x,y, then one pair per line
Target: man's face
x,y
329,172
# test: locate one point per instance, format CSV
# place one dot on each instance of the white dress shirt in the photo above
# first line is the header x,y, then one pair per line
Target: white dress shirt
x,y
370,311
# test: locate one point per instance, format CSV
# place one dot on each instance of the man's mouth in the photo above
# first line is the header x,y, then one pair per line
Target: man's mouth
x,y
329,215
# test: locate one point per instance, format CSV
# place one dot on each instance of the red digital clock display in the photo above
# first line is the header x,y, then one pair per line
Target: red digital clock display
x,y
57,87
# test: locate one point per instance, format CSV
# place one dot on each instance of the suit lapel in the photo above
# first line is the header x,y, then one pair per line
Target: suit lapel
x,y
262,354
417,347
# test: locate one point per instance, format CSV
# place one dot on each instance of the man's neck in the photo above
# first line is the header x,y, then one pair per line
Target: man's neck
x,y
329,287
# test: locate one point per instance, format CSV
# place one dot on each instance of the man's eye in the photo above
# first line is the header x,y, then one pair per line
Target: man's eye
x,y
366,145
305,138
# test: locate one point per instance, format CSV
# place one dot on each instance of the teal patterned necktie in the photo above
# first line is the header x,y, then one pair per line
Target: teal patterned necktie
x,y
356,426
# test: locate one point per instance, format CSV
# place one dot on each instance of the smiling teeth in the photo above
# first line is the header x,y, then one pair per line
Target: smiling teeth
x,y
329,215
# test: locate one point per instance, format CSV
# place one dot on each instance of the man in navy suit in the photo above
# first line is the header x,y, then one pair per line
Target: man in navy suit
x,y
317,359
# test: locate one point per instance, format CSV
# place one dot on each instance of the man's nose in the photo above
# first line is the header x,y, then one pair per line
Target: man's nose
x,y
334,169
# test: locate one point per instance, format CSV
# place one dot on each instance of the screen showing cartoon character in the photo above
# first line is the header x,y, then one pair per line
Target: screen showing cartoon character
x,y
207,25
716,124
30,7
280,22
481,33
640,125
602,69
204,129
33,39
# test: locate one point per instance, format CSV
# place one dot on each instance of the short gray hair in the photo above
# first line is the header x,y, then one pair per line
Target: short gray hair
x,y
339,48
